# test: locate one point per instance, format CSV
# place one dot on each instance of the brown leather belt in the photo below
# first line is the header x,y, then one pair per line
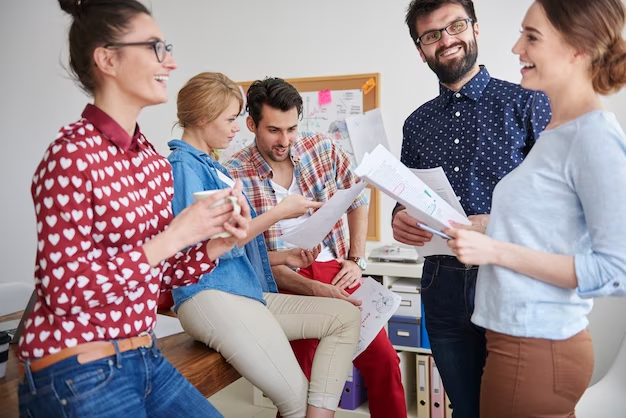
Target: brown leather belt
x,y
93,351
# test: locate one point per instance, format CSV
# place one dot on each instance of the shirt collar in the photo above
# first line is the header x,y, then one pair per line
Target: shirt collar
x,y
111,129
262,167
259,163
473,89
175,144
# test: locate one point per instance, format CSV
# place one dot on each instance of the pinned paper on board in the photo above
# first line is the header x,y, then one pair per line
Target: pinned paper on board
x,y
369,85
324,97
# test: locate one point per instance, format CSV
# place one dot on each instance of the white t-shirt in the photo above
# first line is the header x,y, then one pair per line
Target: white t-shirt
x,y
287,225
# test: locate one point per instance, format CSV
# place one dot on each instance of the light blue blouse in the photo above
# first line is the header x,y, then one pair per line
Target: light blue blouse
x,y
567,197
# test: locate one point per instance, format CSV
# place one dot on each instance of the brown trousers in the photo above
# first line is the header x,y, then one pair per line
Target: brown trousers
x,y
534,377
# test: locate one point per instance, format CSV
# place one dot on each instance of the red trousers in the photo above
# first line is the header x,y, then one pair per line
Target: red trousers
x,y
378,364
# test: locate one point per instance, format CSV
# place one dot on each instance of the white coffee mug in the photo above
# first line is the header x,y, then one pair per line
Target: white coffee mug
x,y
232,199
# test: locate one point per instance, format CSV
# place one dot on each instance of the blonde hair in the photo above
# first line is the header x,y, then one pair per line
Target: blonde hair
x,y
594,26
203,98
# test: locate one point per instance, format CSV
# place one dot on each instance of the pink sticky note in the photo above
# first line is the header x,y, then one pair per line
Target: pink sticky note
x,y
324,97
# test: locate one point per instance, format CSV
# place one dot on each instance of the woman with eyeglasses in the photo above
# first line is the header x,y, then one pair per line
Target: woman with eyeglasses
x,y
555,238
107,240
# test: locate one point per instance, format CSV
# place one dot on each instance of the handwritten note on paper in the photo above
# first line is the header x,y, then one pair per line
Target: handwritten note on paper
x,y
381,169
312,231
324,97
436,179
378,304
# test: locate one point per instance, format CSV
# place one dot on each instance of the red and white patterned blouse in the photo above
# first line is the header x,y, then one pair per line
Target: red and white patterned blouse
x,y
100,194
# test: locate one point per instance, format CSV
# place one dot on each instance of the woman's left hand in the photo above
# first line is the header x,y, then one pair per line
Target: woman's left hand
x,y
472,247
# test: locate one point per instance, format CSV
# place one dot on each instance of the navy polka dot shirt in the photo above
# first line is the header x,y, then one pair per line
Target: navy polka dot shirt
x,y
477,135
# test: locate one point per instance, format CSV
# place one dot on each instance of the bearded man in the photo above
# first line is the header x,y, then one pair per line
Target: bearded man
x,y
478,129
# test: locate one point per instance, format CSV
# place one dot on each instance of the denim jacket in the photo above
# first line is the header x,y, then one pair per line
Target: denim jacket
x,y
241,271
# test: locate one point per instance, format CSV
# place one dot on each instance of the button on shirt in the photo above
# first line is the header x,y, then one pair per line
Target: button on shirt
x,y
477,135
99,195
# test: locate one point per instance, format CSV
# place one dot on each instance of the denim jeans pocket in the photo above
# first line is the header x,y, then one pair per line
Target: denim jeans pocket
x,y
428,275
573,367
84,381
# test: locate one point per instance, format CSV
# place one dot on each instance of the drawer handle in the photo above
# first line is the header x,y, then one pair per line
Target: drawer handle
x,y
405,302
403,333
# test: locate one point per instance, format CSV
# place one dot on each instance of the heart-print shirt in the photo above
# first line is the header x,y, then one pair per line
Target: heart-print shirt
x,y
100,194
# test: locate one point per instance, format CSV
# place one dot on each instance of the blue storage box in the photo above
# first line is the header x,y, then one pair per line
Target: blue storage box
x,y
404,330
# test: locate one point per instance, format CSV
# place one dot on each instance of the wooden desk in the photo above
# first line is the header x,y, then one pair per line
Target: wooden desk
x,y
205,368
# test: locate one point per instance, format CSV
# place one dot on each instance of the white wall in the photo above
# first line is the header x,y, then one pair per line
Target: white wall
x,y
246,40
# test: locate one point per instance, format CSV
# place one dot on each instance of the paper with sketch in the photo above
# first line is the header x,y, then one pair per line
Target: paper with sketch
x,y
367,131
378,304
393,178
436,179
314,229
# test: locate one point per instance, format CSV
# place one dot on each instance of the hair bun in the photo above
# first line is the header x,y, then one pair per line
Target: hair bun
x,y
609,72
617,51
72,7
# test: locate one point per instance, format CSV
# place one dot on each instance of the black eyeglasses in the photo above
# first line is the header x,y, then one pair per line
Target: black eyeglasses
x,y
160,48
453,29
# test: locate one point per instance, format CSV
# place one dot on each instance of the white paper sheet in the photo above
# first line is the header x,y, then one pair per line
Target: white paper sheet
x,y
393,178
436,179
367,131
378,304
167,325
312,231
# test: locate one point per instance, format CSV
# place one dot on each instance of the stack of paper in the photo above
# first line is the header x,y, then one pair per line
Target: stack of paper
x,y
393,178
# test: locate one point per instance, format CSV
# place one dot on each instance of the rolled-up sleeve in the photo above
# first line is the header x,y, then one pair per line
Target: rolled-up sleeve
x,y
598,172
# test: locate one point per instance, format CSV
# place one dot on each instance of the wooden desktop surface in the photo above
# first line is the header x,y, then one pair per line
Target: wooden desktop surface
x,y
203,367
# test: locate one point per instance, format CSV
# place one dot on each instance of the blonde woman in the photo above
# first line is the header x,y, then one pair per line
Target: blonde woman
x,y
236,310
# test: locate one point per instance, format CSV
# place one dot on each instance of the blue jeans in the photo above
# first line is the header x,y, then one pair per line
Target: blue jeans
x,y
458,346
137,383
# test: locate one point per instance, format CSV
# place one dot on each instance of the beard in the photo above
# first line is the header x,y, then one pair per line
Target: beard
x,y
453,71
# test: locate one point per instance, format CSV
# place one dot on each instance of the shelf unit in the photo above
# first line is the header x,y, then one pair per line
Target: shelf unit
x,y
389,272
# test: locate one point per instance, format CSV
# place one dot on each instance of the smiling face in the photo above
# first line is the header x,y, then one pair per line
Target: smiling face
x,y
134,71
218,133
546,58
452,58
276,132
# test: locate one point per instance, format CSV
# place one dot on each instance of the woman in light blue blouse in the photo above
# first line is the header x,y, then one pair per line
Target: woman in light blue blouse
x,y
556,237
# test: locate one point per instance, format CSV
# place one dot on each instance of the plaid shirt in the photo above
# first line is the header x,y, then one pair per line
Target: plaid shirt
x,y
320,167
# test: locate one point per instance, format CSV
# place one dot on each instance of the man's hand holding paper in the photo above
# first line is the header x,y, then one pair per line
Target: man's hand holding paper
x,y
406,231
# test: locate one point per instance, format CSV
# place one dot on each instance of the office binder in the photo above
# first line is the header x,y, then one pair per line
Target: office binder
x,y
448,406
423,386
437,407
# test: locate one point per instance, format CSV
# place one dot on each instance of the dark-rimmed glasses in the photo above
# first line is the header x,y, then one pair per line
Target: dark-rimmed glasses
x,y
160,48
453,29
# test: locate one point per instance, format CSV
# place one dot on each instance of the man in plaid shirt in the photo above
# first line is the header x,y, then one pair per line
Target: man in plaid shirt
x,y
279,164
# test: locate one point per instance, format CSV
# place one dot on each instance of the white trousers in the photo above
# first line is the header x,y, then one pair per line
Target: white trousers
x,y
254,339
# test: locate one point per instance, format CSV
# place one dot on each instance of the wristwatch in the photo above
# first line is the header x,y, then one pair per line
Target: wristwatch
x,y
359,262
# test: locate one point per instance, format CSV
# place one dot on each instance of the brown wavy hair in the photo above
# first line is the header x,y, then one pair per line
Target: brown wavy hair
x,y
595,27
